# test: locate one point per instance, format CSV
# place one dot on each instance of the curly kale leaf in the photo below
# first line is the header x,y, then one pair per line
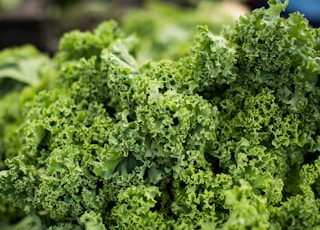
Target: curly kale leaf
x,y
226,137
279,53
24,71
107,128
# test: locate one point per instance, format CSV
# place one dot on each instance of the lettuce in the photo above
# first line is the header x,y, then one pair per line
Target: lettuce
x,y
225,137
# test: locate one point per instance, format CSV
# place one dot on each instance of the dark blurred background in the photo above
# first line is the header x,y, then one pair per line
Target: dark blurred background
x,y
42,22
309,8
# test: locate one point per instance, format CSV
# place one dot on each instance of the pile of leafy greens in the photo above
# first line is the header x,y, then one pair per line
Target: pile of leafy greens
x,y
24,72
225,137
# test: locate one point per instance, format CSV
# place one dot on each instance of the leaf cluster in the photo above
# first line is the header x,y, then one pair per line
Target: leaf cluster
x,y
225,137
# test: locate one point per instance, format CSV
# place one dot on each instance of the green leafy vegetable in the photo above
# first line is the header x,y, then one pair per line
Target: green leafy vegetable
x,y
225,137
24,71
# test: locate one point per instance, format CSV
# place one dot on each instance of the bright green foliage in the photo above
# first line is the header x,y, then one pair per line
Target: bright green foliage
x,y
256,214
280,54
23,72
224,138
